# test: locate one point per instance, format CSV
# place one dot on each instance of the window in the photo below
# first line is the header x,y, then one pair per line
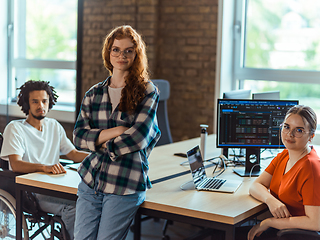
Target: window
x,y
277,47
42,46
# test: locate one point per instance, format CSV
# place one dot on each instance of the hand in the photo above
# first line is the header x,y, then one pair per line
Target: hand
x,y
110,133
119,130
258,229
277,208
55,169
104,145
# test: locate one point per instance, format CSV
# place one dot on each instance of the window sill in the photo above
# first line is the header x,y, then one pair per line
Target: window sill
x,y
58,112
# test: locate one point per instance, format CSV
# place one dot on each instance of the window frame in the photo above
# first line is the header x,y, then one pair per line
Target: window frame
x,y
61,111
230,72
242,73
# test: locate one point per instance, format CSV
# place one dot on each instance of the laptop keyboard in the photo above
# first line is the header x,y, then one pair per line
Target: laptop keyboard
x,y
212,183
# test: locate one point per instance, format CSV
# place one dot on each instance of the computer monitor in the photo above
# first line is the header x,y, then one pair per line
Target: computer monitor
x,y
251,124
272,95
238,94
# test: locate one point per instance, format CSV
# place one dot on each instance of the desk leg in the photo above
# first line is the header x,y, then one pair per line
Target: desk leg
x,y
230,234
137,226
18,214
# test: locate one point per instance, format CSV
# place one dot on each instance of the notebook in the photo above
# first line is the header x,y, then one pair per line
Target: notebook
x,y
200,179
74,166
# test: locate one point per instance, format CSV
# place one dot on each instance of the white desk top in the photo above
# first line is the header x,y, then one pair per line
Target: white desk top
x,y
229,208
66,182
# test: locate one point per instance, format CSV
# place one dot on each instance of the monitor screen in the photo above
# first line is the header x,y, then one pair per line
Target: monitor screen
x,y
251,123
275,95
238,94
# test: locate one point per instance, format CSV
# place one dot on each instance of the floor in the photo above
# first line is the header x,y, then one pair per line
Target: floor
x,y
152,230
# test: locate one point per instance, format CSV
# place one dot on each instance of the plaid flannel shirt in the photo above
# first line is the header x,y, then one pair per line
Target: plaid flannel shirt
x,y
123,165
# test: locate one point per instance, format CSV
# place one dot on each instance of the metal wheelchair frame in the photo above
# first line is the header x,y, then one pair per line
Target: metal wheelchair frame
x,y
33,220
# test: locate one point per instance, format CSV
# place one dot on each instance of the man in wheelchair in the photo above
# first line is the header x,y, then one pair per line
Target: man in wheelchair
x,y
34,144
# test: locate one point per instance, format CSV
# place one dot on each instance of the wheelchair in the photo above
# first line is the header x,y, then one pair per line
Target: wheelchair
x,y
34,221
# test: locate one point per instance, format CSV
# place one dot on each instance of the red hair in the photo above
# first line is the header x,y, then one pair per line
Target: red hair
x,y
133,93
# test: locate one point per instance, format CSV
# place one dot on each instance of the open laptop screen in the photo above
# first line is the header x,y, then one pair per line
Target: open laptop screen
x,y
196,165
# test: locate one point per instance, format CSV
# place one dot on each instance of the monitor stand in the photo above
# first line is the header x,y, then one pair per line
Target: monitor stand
x,y
252,165
225,152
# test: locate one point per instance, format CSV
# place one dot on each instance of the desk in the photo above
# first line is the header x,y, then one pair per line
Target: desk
x,y
166,200
62,185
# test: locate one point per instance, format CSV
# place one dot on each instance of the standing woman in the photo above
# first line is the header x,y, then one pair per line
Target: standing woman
x,y
292,177
118,124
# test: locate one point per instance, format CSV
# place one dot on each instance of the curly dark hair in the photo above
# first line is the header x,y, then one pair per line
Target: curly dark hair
x,y
32,85
133,93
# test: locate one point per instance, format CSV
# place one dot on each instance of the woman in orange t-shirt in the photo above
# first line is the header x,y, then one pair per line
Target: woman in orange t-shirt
x,y
291,177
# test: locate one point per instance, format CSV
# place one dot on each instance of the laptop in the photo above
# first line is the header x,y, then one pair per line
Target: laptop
x,y
200,179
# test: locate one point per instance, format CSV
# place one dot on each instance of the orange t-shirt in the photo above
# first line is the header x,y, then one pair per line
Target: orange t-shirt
x,y
299,186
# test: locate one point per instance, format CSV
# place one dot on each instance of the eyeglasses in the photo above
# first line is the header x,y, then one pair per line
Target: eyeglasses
x,y
115,52
296,132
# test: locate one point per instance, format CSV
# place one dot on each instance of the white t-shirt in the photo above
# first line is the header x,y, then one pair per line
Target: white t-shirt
x,y
33,145
115,96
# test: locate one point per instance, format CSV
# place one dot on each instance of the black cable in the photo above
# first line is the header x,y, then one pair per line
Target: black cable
x,y
222,170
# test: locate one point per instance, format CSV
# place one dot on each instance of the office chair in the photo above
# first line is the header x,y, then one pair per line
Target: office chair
x,y
32,212
297,234
162,112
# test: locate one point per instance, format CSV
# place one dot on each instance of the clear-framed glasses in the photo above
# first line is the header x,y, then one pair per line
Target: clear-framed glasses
x,y
296,132
116,52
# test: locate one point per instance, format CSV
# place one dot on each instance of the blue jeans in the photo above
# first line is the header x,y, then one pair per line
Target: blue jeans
x,y
61,207
104,216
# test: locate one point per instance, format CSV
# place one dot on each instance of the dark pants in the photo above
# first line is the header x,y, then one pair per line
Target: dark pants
x,y
269,234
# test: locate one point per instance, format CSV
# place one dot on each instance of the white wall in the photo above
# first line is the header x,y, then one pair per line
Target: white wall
x,y
225,47
3,51
224,61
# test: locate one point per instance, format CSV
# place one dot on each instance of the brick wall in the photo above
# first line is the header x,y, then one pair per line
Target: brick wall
x,y
100,16
181,46
187,52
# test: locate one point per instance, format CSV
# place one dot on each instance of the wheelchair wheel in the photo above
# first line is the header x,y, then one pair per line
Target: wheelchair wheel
x,y
8,217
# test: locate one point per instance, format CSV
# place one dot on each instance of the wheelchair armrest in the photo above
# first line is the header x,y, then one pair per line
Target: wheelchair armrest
x,y
9,173
4,164
8,181
292,233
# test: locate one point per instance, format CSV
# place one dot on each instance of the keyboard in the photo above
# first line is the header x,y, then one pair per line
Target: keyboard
x,y
211,183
